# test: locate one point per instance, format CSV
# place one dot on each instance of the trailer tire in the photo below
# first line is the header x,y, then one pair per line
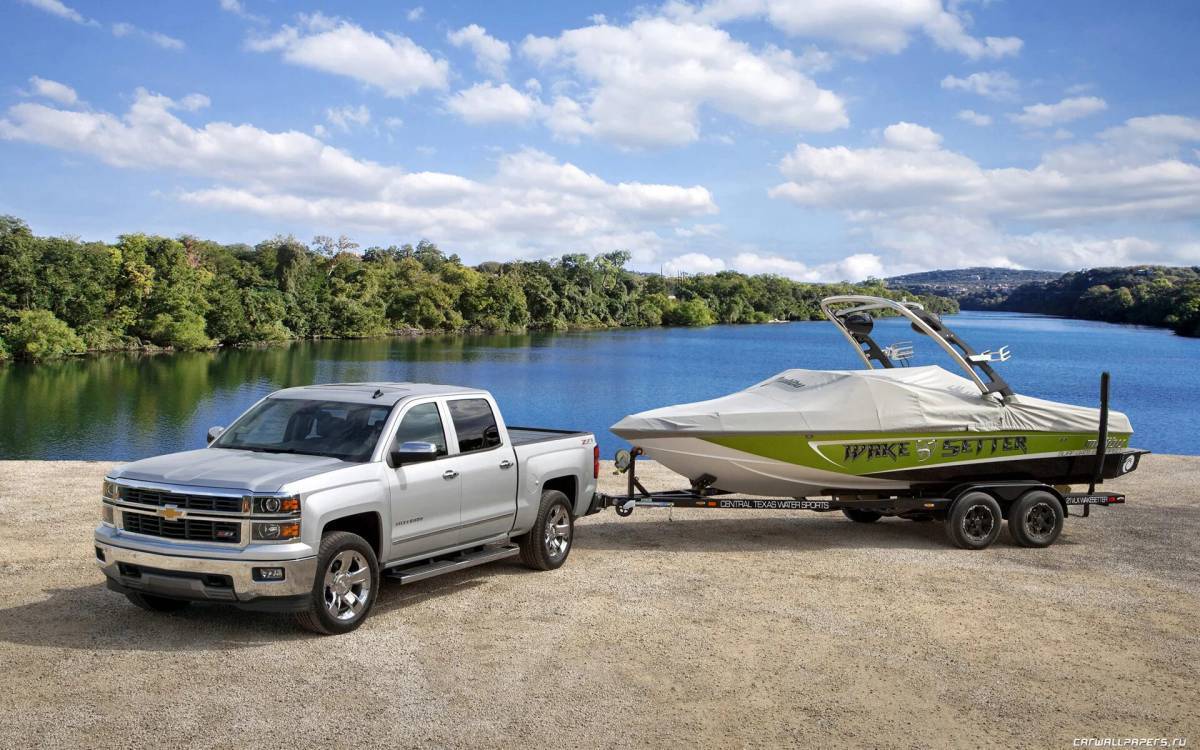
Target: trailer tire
x,y
152,603
547,544
858,515
1035,519
346,564
974,521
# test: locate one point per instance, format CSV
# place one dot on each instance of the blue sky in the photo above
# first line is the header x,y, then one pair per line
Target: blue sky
x,y
822,140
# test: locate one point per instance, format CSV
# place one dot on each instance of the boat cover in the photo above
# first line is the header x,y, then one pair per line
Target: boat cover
x,y
912,399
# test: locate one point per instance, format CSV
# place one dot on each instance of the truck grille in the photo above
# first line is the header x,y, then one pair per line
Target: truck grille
x,y
190,502
191,529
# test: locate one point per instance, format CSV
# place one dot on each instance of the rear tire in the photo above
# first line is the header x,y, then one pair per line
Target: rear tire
x,y
152,603
547,544
1035,519
346,585
858,515
975,521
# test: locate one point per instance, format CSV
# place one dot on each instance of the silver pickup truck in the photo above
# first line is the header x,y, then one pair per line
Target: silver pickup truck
x,y
315,492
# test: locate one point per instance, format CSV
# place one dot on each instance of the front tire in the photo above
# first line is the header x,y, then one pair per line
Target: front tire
x,y
152,603
974,522
547,544
1035,519
346,586
859,515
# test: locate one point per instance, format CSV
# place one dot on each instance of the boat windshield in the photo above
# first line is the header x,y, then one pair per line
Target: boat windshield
x,y
336,429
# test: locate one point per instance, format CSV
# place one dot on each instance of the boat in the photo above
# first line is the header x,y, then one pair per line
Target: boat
x,y
890,428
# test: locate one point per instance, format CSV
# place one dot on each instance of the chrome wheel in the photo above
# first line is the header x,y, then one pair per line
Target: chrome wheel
x,y
978,522
1040,521
347,586
558,532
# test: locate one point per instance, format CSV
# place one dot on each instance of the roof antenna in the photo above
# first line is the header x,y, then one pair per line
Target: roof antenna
x,y
378,392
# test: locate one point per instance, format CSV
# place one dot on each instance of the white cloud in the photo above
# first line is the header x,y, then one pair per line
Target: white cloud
x,y
122,29
491,54
690,263
932,206
489,103
195,102
975,118
531,204
346,117
238,9
1046,115
995,84
53,90
906,135
699,230
852,268
58,8
863,25
415,14
392,63
649,80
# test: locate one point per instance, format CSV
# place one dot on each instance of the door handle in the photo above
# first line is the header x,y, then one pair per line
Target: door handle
x,y
506,464
449,474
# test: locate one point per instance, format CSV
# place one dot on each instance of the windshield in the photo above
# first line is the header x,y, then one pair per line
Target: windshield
x,y
315,428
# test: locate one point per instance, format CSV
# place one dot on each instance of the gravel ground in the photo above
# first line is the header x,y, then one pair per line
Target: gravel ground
x,y
709,628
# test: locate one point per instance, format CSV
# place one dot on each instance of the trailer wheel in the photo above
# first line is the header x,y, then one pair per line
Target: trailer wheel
x,y
1035,519
974,522
547,544
859,515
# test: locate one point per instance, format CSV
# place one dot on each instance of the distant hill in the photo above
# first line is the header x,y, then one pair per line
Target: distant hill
x,y
964,282
1163,296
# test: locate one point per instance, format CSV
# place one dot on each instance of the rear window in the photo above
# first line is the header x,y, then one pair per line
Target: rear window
x,y
475,424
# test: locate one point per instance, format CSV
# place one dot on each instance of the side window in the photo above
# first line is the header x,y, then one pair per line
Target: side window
x,y
475,424
422,424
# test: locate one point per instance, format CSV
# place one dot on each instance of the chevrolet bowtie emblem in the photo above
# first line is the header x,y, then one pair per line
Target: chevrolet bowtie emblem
x,y
171,512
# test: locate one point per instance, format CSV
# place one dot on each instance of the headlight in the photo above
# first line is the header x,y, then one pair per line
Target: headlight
x,y
106,514
111,490
274,504
271,531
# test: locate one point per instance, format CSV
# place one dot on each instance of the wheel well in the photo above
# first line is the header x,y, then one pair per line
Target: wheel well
x,y
1005,493
565,485
366,525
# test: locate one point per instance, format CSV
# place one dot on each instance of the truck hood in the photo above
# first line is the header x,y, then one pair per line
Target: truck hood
x,y
230,469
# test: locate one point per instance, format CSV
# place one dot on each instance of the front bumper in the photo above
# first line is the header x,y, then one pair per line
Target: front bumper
x,y
207,579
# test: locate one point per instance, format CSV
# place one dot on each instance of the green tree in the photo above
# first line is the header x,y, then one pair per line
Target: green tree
x,y
38,335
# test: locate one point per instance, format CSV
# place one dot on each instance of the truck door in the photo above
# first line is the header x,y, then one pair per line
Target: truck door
x,y
489,470
426,496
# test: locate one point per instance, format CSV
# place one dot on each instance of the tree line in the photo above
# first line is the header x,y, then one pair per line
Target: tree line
x,y
1163,296
61,296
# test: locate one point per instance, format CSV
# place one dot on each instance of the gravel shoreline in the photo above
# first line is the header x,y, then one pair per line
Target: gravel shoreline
x,y
709,628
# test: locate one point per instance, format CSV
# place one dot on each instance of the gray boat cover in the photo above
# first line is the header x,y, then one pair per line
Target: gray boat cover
x,y
913,399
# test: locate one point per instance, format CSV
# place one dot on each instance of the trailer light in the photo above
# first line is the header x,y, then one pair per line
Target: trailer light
x,y
111,490
929,505
270,532
274,504
596,461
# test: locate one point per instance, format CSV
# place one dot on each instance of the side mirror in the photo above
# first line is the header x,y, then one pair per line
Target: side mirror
x,y
214,433
411,453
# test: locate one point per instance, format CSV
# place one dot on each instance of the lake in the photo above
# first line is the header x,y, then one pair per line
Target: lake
x,y
129,406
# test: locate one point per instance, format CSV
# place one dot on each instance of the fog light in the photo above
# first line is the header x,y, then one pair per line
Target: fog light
x,y
274,531
100,554
268,574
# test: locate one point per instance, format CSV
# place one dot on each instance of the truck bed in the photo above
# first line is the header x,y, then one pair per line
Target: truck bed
x,y
530,435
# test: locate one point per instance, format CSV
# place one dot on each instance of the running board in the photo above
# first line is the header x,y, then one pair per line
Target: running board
x,y
421,571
